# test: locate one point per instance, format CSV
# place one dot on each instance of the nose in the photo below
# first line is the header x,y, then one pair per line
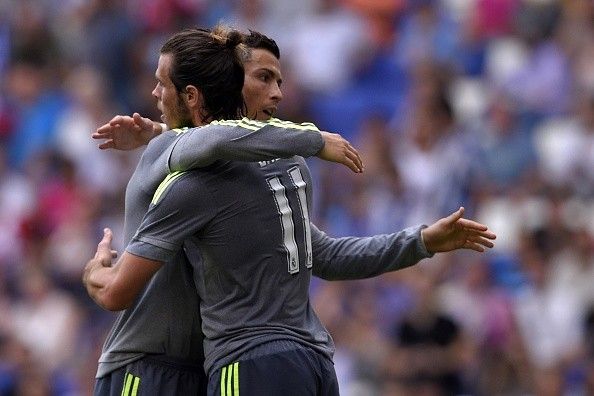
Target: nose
x,y
155,92
277,94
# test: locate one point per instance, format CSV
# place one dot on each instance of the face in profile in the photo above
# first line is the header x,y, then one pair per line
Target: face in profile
x,y
261,88
171,103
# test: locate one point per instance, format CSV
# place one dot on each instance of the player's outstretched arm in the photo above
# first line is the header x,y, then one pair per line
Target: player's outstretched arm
x,y
115,287
455,232
127,133
364,257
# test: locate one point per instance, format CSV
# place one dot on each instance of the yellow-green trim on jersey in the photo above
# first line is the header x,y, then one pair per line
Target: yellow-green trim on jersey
x,y
179,131
307,126
170,178
254,125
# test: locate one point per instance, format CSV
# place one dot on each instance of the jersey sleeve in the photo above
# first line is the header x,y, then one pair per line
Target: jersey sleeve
x,y
179,209
365,257
243,140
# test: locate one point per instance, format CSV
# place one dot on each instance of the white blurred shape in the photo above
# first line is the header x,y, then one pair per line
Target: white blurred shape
x,y
469,98
505,57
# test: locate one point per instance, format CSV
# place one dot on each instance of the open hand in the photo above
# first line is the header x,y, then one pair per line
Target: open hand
x,y
454,232
338,149
126,133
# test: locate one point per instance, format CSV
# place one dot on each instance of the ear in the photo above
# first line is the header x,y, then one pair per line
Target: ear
x,y
193,97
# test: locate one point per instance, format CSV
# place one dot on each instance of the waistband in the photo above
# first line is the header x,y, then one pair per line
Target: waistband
x,y
180,364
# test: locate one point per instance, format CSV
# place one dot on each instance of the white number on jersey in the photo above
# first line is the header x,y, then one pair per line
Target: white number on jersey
x,y
286,218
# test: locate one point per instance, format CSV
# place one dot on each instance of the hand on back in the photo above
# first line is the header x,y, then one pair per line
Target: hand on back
x,y
126,133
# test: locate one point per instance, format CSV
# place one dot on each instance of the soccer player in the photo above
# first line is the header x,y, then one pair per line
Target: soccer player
x,y
250,222
155,346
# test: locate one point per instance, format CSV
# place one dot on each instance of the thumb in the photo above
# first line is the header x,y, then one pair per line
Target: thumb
x,y
457,215
140,120
104,246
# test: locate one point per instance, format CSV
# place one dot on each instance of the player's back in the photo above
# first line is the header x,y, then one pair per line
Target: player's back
x,y
256,250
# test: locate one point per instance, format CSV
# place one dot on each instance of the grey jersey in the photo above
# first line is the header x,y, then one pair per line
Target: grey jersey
x,y
251,223
165,318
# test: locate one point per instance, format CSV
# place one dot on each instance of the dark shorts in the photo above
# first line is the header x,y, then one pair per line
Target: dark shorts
x,y
299,372
154,375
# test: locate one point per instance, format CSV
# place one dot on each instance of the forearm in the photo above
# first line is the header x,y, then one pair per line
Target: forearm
x,y
359,258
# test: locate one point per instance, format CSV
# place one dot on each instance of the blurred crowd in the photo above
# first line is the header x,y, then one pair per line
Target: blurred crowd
x,y
486,104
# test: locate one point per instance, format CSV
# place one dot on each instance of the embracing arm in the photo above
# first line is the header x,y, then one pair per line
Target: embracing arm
x,y
249,140
358,258
115,287
234,140
169,221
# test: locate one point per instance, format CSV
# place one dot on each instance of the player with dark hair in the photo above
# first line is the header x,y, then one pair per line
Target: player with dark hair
x,y
155,346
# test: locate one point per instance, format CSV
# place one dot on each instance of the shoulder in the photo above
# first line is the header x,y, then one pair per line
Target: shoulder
x,y
161,142
180,186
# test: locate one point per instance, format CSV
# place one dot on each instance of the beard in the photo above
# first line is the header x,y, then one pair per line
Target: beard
x,y
180,115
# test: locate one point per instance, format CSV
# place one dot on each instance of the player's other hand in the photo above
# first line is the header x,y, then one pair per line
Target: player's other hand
x,y
455,232
338,149
126,133
103,257
105,253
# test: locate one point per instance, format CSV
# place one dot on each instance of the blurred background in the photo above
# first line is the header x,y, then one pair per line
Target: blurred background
x,y
483,103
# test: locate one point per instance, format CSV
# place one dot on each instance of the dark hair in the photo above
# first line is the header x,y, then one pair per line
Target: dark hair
x,y
257,40
211,61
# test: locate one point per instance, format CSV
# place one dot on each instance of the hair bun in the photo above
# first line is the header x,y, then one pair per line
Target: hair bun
x,y
234,38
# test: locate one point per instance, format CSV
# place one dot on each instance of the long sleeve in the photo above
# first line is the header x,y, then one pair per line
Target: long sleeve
x,y
243,140
365,257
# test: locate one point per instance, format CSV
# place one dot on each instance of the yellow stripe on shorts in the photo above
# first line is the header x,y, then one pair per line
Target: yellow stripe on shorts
x,y
230,380
130,386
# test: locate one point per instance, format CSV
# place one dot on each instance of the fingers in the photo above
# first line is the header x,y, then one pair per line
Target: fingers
x,y
118,120
354,156
478,229
471,224
353,159
108,144
481,241
487,234
351,165
474,246
104,129
339,150
353,162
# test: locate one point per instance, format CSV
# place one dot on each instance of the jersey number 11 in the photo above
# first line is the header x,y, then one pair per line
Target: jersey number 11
x,y
287,219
